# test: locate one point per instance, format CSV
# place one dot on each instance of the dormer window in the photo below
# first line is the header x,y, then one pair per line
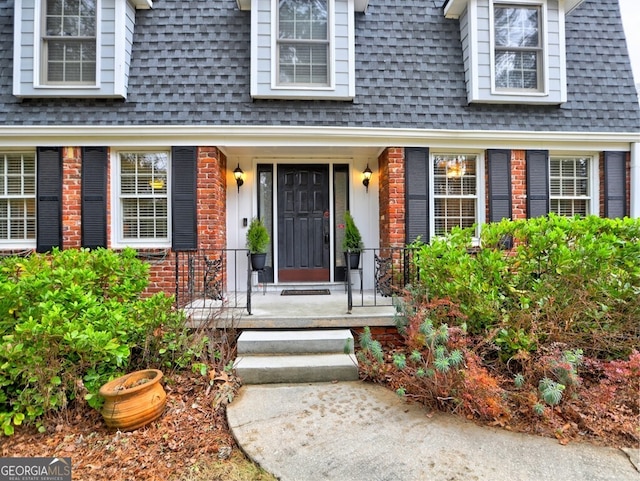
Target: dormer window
x,y
69,42
513,50
303,49
518,49
73,48
303,42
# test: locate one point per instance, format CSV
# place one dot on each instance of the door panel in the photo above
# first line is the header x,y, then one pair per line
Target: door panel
x,y
303,223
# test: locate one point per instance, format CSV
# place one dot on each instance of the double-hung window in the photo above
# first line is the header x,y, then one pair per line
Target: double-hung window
x,y
142,199
303,42
518,54
570,185
69,42
17,198
455,193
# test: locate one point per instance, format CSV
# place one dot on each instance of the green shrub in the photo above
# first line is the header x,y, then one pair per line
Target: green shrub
x,y
569,280
72,320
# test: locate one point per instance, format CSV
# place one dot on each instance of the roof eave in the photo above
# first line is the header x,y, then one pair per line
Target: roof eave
x,y
454,8
142,4
359,5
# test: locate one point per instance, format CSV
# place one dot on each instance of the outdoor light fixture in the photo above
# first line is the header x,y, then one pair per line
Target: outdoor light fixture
x,y
366,177
238,174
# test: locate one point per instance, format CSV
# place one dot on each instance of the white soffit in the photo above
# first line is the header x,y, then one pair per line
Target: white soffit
x,y
142,4
359,5
454,8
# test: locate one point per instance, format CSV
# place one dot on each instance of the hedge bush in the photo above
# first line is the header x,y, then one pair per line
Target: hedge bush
x,y
72,320
570,280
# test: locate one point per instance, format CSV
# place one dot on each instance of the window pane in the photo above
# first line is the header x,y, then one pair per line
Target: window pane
x,y
569,185
17,197
144,195
516,26
517,70
299,61
455,189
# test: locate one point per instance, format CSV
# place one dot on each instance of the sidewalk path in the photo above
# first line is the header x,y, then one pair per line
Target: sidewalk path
x,y
357,431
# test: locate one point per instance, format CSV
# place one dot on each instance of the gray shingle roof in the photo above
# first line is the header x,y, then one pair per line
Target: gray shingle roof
x,y
191,66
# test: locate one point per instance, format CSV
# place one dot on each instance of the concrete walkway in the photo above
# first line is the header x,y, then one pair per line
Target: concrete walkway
x,y
357,431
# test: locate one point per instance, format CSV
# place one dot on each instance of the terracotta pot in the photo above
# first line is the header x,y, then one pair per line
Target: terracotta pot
x,y
134,400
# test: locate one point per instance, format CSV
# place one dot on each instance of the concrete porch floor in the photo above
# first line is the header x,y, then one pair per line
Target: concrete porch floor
x,y
271,310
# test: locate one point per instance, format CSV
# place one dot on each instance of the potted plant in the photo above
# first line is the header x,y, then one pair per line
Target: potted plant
x,y
133,400
258,243
352,243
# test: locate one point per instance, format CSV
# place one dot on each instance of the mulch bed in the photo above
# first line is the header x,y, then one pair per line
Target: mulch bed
x,y
192,429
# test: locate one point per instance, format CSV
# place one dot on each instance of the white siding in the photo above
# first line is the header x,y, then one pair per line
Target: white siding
x,y
114,55
263,70
475,31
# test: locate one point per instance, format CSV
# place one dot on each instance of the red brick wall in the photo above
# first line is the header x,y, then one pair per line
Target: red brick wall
x,y
518,185
392,197
388,336
211,211
211,215
71,197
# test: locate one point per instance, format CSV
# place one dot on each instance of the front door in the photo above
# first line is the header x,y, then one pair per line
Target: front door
x,y
303,223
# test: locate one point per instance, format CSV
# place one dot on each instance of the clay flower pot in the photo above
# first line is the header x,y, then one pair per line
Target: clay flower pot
x,y
134,400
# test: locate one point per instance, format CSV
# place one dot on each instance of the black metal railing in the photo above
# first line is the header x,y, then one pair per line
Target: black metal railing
x,y
392,269
203,275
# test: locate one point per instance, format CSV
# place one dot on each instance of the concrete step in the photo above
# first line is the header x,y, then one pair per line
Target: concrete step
x,y
339,341
296,368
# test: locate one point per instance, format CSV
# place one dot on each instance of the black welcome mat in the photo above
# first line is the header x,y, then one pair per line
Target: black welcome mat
x,y
305,292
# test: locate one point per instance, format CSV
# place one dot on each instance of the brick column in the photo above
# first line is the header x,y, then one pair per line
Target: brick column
x,y
518,185
392,197
212,198
71,197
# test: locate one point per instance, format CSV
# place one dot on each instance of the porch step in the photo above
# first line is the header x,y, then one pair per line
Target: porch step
x,y
296,356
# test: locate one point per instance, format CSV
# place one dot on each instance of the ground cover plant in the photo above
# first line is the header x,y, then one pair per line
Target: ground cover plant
x,y
540,337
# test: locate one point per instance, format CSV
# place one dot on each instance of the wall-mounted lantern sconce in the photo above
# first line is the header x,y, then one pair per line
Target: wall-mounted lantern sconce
x,y
239,176
366,177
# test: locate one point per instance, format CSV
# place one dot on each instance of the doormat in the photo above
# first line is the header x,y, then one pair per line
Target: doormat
x,y
305,292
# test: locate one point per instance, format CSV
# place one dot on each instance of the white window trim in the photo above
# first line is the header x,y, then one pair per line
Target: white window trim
x,y
480,189
38,57
117,239
544,74
593,199
275,85
23,243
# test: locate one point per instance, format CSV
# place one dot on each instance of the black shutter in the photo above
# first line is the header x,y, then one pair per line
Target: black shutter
x,y
499,184
537,183
615,184
183,212
417,193
49,223
94,197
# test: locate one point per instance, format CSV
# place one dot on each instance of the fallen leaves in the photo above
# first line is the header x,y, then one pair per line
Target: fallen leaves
x,y
192,429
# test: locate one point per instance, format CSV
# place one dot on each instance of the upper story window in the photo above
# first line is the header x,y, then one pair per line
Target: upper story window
x,y
570,188
303,49
303,42
73,48
518,47
455,192
142,199
514,51
69,42
17,198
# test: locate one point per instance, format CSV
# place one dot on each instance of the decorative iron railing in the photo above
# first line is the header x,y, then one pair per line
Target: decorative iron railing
x,y
224,276
204,276
392,269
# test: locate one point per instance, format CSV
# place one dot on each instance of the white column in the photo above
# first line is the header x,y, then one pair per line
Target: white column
x,y
635,180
